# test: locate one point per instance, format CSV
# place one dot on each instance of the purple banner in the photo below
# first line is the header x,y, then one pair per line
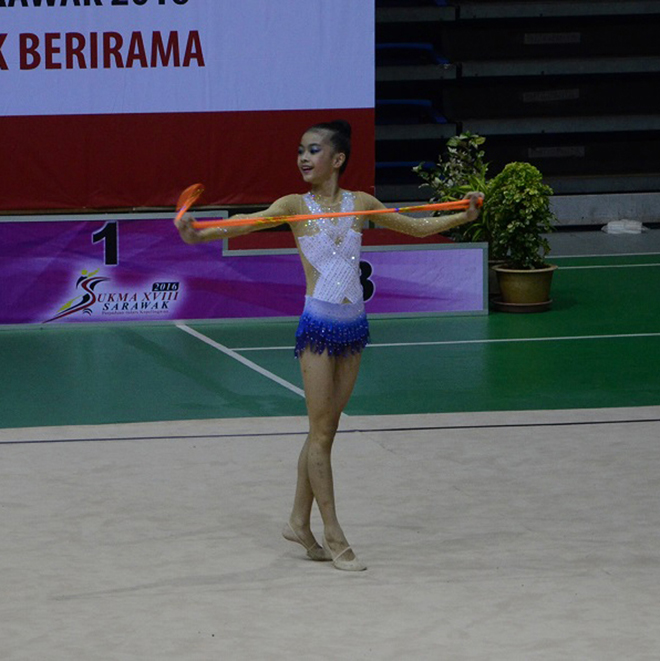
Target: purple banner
x,y
126,269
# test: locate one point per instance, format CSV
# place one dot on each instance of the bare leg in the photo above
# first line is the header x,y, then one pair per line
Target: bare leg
x,y
299,521
328,386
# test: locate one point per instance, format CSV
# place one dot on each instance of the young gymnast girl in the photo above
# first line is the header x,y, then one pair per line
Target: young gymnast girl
x,y
333,328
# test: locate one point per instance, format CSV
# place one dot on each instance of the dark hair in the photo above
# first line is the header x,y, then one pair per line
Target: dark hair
x,y
340,137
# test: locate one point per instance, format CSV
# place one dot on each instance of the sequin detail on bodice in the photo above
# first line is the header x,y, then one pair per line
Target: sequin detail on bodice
x,y
333,250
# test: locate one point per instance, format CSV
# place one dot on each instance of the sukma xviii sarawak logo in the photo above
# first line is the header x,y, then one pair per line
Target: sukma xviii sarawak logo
x,y
157,300
83,302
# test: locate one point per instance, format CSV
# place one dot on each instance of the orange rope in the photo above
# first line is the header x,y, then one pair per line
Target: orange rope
x,y
237,222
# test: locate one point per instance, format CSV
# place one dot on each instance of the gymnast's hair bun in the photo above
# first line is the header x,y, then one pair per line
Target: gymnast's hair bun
x,y
341,126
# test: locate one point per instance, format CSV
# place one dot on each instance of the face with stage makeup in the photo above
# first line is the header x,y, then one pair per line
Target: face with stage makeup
x,y
318,161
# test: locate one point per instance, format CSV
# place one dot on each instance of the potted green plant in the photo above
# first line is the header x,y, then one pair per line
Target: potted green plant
x,y
461,168
519,215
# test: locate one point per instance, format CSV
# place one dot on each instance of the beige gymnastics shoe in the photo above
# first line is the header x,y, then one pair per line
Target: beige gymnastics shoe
x,y
344,565
313,552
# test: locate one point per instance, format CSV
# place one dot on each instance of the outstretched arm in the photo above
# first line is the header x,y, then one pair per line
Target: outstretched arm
x,y
421,227
282,207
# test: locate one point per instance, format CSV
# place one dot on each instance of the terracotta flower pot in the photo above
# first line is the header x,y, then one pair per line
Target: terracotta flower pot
x,y
529,289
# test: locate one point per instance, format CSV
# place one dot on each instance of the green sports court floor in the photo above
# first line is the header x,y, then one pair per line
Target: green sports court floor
x,y
599,346
498,475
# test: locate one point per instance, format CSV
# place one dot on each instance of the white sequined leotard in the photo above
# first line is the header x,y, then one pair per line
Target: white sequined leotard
x,y
332,248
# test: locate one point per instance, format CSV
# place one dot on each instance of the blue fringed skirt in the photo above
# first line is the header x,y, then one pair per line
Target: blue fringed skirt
x,y
339,329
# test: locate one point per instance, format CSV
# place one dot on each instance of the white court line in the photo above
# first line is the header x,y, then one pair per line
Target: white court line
x,y
248,363
607,266
565,338
606,255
